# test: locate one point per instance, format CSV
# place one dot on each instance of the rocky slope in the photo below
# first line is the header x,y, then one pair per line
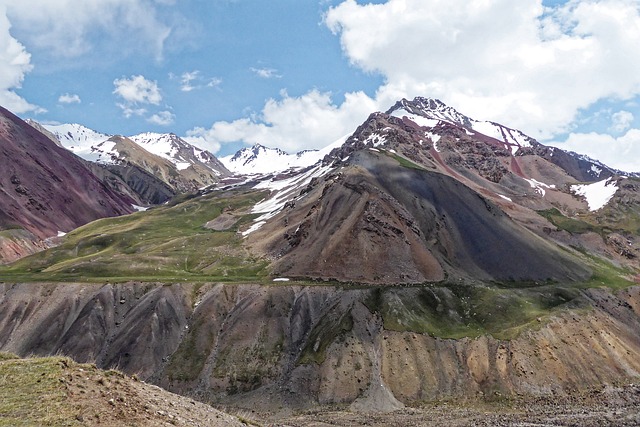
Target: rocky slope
x,y
44,189
376,221
292,346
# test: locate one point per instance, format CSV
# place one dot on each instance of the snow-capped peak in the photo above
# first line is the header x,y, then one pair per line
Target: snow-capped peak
x,y
429,108
76,135
80,140
165,145
259,159
178,151
428,112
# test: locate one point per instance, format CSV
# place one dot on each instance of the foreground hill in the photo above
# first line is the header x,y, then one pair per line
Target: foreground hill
x,y
294,346
45,189
58,391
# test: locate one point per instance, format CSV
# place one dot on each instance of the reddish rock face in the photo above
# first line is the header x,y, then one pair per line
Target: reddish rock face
x,y
45,188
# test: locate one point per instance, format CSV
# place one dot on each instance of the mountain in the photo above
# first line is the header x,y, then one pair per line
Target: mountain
x,y
182,154
180,165
264,160
45,189
44,131
425,193
427,257
414,195
434,114
78,139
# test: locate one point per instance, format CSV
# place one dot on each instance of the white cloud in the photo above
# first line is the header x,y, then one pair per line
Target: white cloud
x,y
519,63
266,73
515,62
621,121
291,123
162,118
214,82
71,28
187,79
129,110
137,90
15,64
192,80
69,99
620,153
203,142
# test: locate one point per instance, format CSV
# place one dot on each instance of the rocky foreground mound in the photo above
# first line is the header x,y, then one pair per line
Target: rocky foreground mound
x,y
57,391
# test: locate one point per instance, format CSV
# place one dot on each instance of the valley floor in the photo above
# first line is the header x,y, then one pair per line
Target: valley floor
x,y
605,407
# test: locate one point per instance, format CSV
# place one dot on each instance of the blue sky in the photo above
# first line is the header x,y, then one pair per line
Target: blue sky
x,y
300,74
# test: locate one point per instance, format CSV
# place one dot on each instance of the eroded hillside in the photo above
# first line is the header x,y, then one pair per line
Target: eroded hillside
x,y
298,346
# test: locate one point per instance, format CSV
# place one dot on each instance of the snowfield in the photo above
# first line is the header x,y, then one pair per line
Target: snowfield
x,y
597,194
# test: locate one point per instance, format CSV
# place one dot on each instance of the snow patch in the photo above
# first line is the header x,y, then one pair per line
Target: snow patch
x,y
419,120
253,228
61,234
505,197
281,279
283,190
539,186
597,194
435,138
376,140
139,208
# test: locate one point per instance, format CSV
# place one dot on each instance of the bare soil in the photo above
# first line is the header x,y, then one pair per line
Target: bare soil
x,y
607,406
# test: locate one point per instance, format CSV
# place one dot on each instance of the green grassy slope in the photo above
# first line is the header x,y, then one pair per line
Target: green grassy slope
x,y
165,243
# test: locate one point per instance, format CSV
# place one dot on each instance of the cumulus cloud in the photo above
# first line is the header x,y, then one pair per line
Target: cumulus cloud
x,y
291,123
137,94
621,153
520,63
68,98
196,138
15,63
621,121
515,62
71,28
162,118
137,90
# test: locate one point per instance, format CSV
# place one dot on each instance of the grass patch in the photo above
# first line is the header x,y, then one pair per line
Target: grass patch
x,y
573,226
404,162
188,360
607,275
332,326
457,311
32,394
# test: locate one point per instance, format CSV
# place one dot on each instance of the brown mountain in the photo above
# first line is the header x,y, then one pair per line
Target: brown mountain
x,y
44,188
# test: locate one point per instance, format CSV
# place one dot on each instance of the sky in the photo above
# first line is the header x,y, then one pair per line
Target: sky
x,y
299,74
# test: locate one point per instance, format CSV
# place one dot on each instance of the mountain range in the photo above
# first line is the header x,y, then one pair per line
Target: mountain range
x,y
271,280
